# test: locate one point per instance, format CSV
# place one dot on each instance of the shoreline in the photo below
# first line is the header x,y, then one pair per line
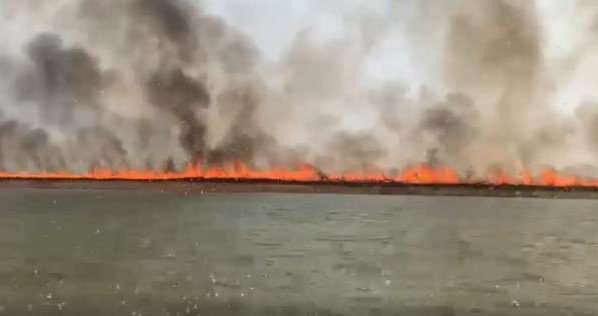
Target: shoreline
x,y
193,186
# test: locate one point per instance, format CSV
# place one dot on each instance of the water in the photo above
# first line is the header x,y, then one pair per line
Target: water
x,y
145,253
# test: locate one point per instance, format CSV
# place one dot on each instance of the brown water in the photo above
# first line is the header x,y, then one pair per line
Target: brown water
x,y
65,252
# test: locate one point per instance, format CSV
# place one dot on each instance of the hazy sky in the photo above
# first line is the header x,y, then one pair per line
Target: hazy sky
x,y
273,24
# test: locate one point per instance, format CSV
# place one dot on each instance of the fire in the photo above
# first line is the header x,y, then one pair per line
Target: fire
x,y
421,174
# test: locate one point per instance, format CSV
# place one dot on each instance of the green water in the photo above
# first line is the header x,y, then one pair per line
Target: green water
x,y
145,253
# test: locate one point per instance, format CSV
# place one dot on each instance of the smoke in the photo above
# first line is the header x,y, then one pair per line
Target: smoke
x,y
161,83
452,123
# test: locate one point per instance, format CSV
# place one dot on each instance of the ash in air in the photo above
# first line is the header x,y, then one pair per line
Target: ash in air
x,y
159,84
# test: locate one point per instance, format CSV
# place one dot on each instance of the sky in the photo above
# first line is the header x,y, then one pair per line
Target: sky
x,y
273,25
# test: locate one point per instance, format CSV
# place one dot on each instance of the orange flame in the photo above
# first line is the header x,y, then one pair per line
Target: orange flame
x,y
421,174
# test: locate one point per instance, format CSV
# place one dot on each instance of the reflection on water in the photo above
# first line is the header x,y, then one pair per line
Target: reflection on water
x,y
135,253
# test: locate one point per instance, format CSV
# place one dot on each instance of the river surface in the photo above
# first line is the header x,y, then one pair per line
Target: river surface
x,y
103,252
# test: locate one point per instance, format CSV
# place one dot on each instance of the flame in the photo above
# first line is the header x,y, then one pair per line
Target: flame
x,y
237,171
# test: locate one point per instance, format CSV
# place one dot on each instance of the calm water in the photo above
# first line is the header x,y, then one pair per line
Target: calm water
x,y
134,253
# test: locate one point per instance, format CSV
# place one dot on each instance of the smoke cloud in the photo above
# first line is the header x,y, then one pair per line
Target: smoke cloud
x,y
159,84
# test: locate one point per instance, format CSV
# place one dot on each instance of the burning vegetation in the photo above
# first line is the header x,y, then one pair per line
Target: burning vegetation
x,y
162,90
305,173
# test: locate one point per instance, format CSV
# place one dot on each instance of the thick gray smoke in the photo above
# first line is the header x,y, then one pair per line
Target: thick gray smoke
x,y
160,83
